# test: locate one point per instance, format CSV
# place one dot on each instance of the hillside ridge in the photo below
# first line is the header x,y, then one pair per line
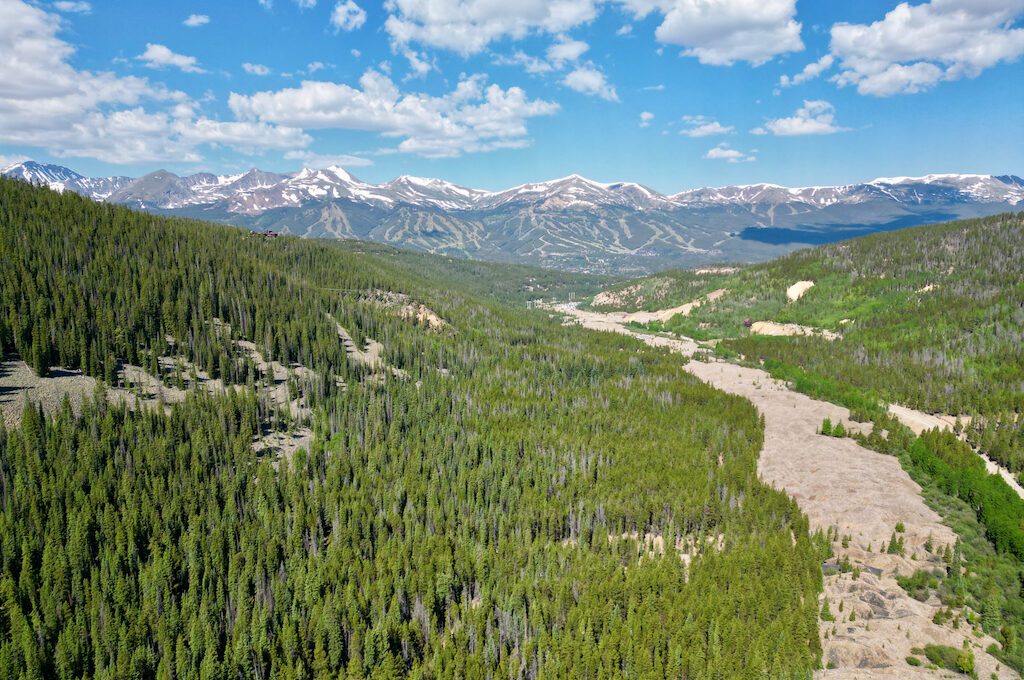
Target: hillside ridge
x,y
572,223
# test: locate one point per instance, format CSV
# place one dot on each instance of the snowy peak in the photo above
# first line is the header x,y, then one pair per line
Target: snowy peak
x,y
59,178
578,193
985,188
55,176
916,190
254,179
330,175
434,192
257,191
572,222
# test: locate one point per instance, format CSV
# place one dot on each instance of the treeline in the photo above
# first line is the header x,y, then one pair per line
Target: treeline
x,y
524,513
958,471
1000,435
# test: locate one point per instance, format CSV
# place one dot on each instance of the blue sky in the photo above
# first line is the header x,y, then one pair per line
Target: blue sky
x,y
671,93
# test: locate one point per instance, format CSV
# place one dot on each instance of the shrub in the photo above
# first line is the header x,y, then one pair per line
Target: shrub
x,y
950,658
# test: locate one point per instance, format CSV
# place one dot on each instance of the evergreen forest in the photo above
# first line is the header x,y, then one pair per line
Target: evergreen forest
x,y
498,506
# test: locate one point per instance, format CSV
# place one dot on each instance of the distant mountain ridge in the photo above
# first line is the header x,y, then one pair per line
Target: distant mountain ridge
x,y
572,222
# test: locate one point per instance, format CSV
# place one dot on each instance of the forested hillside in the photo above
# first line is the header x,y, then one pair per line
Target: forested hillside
x,y
931,317
495,507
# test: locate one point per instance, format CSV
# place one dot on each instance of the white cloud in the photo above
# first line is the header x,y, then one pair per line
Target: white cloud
x,y
722,32
645,118
565,49
73,7
722,152
48,104
255,69
347,16
159,56
915,47
560,54
624,30
314,66
588,80
810,72
355,53
305,4
471,118
655,88
419,64
532,65
7,161
319,161
815,117
245,135
699,126
195,20
469,26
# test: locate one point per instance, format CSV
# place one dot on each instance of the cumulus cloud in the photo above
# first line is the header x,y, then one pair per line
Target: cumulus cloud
x,y
815,117
700,126
245,135
72,7
314,66
469,26
196,20
722,32
565,49
255,69
319,161
532,65
419,64
645,118
915,47
560,54
161,56
7,161
347,16
588,80
47,103
810,72
473,117
723,152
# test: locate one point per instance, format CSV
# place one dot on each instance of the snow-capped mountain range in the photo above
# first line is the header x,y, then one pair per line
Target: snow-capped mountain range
x,y
571,222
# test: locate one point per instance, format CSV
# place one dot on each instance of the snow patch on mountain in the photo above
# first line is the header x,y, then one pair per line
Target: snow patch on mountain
x,y
257,191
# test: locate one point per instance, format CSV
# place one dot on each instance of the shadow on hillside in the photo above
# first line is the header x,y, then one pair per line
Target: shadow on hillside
x,y
820,235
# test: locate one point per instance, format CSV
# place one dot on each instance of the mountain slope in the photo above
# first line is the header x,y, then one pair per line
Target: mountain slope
x,y
495,505
929,317
571,223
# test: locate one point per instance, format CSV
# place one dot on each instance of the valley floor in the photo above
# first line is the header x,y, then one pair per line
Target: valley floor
x,y
863,494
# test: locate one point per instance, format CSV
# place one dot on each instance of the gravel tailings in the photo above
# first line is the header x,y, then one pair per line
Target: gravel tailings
x,y
18,381
838,483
